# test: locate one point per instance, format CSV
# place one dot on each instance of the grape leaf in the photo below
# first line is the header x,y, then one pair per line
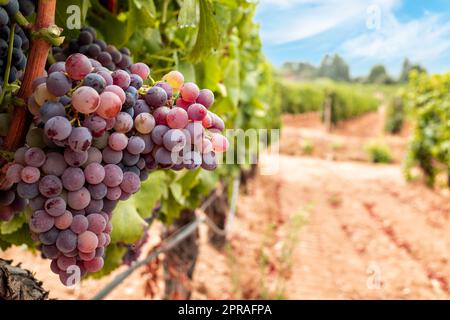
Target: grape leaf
x,y
62,17
208,33
128,225
151,192
20,237
8,227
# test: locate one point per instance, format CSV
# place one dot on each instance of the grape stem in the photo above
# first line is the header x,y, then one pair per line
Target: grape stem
x,y
21,20
8,63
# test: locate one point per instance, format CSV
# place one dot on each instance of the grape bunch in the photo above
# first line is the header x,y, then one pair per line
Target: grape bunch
x,y
20,43
96,135
88,44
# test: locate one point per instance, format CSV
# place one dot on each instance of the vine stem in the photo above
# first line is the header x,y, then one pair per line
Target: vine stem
x,y
8,62
37,58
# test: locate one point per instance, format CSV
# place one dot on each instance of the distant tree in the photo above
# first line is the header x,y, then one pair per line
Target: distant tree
x,y
334,67
379,75
299,70
407,68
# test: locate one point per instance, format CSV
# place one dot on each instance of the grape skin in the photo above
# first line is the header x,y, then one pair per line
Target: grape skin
x,y
177,118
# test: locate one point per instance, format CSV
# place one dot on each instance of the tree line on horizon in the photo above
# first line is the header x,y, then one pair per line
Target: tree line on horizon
x,y
334,67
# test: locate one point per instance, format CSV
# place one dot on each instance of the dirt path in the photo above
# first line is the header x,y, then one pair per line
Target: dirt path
x,y
369,234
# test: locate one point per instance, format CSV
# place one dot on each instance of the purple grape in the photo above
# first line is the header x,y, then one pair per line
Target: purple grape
x,y
156,97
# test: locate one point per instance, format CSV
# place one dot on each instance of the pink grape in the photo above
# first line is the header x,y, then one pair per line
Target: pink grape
x,y
197,112
79,224
78,66
124,122
79,199
94,156
190,92
206,146
217,122
118,91
85,100
80,139
96,125
107,76
50,186
141,69
121,78
55,206
144,123
130,183
87,256
158,134
13,174
177,118
196,132
95,173
220,143
160,115
75,159
41,222
64,221
35,157
66,241
30,174
113,193
206,98
174,140
58,128
94,265
97,223
113,176
110,105
136,145
183,104
54,164
64,262
73,179
148,143
207,121
87,242
97,191
118,141
111,156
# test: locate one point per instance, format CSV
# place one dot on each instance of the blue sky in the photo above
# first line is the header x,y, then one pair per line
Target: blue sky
x,y
364,32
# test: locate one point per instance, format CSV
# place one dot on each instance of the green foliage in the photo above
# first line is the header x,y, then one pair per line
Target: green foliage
x,y
348,100
429,101
335,68
407,68
379,75
395,115
378,152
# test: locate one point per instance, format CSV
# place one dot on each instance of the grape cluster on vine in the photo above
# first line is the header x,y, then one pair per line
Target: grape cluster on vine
x,y
20,41
96,135
88,44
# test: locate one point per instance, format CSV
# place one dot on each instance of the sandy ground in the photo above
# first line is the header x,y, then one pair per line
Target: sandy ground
x,y
328,225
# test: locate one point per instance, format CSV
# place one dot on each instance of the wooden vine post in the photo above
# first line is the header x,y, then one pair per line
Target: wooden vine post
x,y
37,58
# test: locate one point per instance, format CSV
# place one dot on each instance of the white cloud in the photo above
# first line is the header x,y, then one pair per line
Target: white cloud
x,y
291,20
422,39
